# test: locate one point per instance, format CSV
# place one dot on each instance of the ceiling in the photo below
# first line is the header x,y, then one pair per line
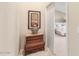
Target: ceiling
x,y
36,3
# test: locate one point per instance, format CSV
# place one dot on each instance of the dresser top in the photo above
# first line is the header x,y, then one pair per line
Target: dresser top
x,y
34,34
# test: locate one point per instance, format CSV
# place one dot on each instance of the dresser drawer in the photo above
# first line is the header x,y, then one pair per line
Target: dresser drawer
x,y
34,48
34,43
34,37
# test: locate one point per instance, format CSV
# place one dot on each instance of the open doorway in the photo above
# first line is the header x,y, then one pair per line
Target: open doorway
x,y
57,28
60,28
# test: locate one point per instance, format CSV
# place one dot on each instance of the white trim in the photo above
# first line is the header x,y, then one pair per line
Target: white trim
x,y
54,28
67,26
67,21
46,27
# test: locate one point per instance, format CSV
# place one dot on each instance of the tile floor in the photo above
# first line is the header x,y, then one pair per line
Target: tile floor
x,y
47,52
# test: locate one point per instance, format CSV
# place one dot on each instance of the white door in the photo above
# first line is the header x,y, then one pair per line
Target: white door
x,y
50,26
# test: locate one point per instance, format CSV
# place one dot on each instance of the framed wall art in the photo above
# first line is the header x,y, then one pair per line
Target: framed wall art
x,y
34,19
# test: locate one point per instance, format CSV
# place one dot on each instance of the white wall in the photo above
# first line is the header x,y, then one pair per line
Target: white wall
x,y
59,16
22,13
73,41
14,22
60,6
8,29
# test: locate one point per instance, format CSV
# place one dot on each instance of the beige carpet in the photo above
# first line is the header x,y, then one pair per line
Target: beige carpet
x,y
47,52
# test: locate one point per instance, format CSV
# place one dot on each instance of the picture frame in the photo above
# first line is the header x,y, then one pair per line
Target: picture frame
x,y
34,19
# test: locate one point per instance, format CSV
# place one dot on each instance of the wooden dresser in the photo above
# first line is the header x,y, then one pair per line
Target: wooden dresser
x,y
34,43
